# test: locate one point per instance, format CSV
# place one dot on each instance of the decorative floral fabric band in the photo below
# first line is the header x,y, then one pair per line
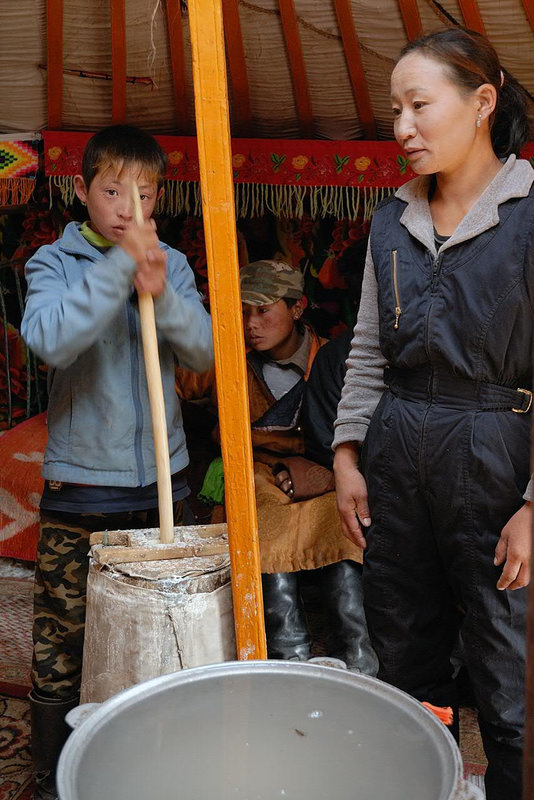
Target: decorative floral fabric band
x,y
289,162
341,179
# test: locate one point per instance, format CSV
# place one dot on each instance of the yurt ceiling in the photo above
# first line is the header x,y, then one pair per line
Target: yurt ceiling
x,y
297,68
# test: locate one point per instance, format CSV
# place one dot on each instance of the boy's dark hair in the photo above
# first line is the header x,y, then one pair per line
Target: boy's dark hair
x,y
123,145
471,61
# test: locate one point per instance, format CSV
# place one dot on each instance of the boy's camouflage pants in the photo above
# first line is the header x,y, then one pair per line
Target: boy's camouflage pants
x,y
60,593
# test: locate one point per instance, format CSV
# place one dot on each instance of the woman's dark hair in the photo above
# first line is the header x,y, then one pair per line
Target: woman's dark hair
x,y
471,61
123,145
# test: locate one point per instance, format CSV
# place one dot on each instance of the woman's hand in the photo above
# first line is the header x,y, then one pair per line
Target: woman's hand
x,y
513,548
351,494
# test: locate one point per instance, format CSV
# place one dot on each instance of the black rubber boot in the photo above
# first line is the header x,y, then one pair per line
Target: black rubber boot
x,y
287,632
342,591
49,732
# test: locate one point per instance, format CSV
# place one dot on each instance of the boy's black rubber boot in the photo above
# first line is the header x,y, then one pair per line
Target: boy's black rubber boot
x,y
348,639
49,732
287,632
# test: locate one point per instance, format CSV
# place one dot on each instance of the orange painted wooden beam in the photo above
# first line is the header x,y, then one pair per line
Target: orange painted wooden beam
x,y
54,62
472,16
353,57
238,67
411,19
176,47
528,5
215,160
297,66
118,61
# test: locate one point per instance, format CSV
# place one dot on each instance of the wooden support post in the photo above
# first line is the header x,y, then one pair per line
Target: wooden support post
x,y
214,151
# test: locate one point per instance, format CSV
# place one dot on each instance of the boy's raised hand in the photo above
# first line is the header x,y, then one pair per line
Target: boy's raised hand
x,y
141,244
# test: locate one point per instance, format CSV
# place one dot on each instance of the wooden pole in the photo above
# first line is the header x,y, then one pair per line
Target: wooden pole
x,y
155,396
214,151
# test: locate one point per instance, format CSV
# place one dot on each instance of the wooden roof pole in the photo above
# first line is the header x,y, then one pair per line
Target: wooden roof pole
x,y
54,62
176,48
242,113
297,66
351,47
528,5
215,160
472,16
118,61
411,19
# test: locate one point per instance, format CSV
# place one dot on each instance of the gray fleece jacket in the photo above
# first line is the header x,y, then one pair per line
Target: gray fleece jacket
x,y
364,382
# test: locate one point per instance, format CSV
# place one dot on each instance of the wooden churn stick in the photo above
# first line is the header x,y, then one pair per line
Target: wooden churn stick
x,y
155,395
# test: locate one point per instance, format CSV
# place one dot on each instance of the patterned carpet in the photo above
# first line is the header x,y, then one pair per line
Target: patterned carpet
x,y
16,598
16,595
15,756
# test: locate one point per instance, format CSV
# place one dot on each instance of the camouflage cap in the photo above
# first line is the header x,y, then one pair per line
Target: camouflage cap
x,y
265,282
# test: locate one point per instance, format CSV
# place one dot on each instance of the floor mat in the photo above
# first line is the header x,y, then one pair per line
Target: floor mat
x,y
471,745
15,755
16,602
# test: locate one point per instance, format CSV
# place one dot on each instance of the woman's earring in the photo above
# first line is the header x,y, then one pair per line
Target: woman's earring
x,y
479,120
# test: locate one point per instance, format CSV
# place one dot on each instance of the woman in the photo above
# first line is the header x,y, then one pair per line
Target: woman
x,y
446,309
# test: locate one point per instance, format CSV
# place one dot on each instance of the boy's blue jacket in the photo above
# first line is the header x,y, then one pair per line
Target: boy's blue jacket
x,y
81,320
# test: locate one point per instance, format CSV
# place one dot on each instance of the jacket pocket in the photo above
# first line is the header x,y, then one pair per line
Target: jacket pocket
x,y
394,270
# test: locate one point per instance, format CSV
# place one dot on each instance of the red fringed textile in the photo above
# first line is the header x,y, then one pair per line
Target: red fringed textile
x,y
288,162
281,162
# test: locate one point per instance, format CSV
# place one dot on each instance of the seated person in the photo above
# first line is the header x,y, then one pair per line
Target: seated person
x,y
341,583
296,533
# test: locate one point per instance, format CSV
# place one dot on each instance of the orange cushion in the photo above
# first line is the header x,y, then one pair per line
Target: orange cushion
x,y
21,485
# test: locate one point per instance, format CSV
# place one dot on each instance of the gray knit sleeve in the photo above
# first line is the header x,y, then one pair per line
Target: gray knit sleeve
x,y
364,380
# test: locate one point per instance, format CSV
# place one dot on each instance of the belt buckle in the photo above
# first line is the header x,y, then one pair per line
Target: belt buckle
x,y
527,409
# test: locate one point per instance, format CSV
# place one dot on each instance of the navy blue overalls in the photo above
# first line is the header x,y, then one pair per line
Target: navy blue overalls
x,y
446,460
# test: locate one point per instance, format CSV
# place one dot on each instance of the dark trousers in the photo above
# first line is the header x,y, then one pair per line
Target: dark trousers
x,y
60,593
442,484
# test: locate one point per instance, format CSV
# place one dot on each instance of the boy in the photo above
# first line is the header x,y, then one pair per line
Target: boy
x,y
82,319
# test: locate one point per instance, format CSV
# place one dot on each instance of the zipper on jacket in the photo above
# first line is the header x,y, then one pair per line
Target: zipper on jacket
x,y
398,310
436,267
